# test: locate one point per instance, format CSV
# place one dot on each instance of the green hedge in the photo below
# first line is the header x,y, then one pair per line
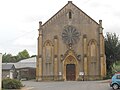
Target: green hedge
x,y
11,84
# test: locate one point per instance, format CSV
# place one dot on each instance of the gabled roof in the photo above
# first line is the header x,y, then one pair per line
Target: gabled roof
x,y
26,63
69,2
32,59
6,66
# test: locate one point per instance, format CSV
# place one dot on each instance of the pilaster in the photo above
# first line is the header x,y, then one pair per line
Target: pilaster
x,y
55,58
39,58
102,51
85,55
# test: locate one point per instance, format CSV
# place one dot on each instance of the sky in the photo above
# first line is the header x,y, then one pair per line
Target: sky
x,y
19,20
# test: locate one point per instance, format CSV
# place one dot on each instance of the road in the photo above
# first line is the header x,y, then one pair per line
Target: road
x,y
67,85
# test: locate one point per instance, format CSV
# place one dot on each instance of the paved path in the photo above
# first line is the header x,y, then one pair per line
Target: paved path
x,y
67,85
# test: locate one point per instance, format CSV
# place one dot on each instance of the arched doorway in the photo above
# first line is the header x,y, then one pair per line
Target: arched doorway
x,y
70,67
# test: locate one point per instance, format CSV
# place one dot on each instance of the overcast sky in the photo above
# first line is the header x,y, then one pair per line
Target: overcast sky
x,y
19,20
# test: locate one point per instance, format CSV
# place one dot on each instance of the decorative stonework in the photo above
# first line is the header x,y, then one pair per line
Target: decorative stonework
x,y
70,35
70,59
70,52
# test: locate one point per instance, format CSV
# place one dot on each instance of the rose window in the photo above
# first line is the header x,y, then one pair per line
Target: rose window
x,y
70,35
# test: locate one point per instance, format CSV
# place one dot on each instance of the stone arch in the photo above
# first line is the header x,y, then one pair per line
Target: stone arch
x,y
92,49
70,59
92,57
48,58
48,42
70,13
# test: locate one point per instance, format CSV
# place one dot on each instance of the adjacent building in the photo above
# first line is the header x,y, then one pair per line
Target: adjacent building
x,y
23,70
26,69
8,71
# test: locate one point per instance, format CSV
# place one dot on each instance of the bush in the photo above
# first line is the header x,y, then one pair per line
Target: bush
x,y
11,84
108,76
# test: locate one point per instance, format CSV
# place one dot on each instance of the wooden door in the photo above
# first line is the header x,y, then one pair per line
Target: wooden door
x,y
70,72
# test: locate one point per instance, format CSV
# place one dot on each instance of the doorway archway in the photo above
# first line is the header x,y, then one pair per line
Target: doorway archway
x,y
70,67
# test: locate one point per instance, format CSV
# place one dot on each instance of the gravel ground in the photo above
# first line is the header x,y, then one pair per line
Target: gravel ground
x,y
67,85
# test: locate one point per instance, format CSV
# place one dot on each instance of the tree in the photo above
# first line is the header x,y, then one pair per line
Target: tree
x,y
23,55
8,58
116,67
112,50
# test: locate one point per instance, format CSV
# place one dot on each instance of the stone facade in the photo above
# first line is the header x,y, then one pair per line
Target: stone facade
x,y
70,47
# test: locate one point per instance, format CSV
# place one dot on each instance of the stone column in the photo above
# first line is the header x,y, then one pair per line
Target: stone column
x,y
85,55
55,58
102,51
104,57
39,58
85,66
44,63
0,71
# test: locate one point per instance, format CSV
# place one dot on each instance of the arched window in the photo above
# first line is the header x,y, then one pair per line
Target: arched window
x,y
48,52
48,57
93,58
70,15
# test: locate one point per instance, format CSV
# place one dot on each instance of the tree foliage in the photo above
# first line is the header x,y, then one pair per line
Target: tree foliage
x,y
6,58
116,67
11,84
23,55
112,50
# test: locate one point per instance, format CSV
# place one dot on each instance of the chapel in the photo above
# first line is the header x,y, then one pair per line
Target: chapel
x,y
70,47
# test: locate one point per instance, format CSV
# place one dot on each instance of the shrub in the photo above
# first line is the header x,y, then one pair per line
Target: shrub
x,y
11,84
